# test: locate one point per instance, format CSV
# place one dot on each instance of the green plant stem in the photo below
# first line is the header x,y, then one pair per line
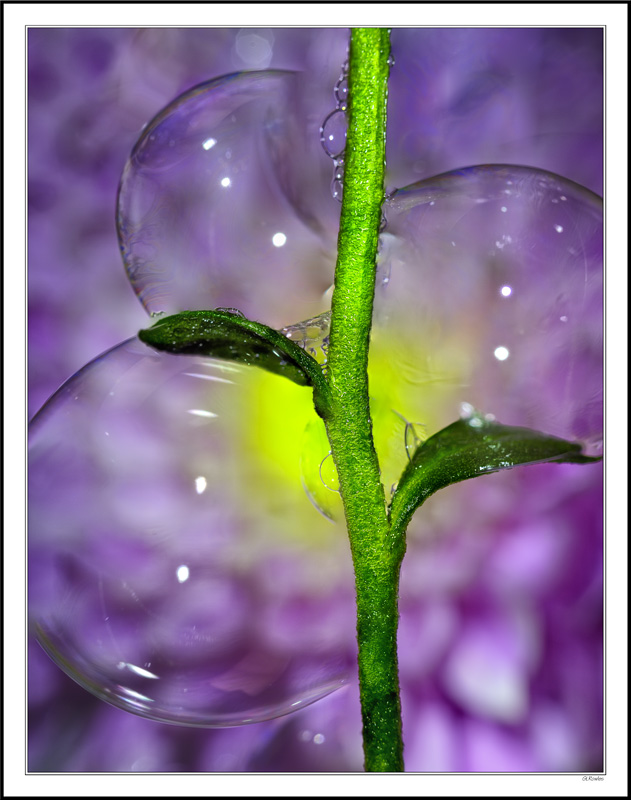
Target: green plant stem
x,y
376,557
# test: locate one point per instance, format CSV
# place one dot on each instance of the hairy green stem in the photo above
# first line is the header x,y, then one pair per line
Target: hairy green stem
x,y
348,422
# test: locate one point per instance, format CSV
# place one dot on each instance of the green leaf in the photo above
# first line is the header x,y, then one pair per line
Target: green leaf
x,y
225,333
472,447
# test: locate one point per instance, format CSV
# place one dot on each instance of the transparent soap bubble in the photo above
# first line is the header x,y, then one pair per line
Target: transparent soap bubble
x,y
203,218
176,566
494,299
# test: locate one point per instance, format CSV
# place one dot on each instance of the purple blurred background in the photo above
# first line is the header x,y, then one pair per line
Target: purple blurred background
x,y
525,604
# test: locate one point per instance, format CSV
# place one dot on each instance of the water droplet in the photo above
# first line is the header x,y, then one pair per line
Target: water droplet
x,y
414,434
413,437
341,91
337,185
328,473
315,449
383,272
475,418
333,133
235,313
129,566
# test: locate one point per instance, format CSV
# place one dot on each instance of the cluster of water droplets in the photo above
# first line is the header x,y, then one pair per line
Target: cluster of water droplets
x,y
317,469
473,417
333,133
312,335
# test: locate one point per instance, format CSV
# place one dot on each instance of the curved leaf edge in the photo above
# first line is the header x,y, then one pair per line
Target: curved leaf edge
x,y
468,449
226,334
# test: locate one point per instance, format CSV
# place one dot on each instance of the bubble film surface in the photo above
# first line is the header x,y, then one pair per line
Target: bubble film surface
x,y
493,300
176,567
202,218
539,550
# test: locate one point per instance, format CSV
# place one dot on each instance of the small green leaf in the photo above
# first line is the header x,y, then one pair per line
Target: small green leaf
x,y
225,333
472,447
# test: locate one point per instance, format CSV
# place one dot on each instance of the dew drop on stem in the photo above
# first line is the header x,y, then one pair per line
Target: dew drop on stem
x,y
328,473
333,133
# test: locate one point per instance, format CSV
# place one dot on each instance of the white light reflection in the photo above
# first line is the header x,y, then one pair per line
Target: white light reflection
x,y
200,412
200,484
501,353
220,366
319,738
136,695
209,143
558,228
208,377
183,573
225,182
506,291
504,209
144,673
279,239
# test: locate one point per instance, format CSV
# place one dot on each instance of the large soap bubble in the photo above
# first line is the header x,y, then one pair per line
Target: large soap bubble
x,y
490,300
204,219
176,567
